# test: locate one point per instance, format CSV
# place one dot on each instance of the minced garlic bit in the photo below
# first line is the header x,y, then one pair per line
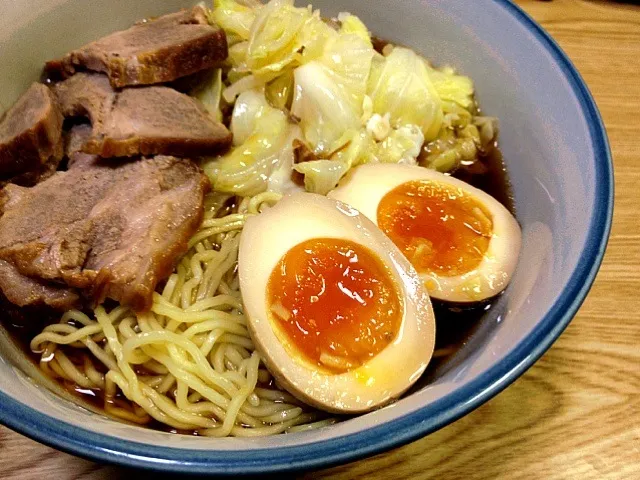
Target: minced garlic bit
x,y
379,127
335,362
280,311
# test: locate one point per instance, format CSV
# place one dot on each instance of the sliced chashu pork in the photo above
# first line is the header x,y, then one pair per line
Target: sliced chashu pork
x,y
112,229
155,51
31,137
75,139
140,121
24,291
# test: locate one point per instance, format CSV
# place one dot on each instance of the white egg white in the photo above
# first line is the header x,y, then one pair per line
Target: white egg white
x,y
365,186
266,238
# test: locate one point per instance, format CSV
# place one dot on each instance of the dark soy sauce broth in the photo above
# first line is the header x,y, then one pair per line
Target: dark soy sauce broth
x,y
456,323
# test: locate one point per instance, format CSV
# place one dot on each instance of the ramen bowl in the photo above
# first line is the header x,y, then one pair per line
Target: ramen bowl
x,y
557,156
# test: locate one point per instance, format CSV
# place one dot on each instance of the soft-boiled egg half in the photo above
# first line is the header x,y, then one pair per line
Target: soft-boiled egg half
x,y
463,243
340,317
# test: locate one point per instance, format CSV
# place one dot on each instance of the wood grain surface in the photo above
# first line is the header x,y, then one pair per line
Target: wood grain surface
x,y
576,413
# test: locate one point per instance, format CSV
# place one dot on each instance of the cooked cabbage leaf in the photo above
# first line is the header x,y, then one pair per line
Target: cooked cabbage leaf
x,y
209,92
352,24
314,37
275,39
402,145
234,18
452,87
461,144
280,180
249,114
353,105
348,60
238,56
323,108
261,137
329,91
401,86
361,148
321,176
279,92
281,38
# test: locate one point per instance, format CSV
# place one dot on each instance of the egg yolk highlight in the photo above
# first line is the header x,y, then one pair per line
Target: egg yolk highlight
x,y
439,228
335,302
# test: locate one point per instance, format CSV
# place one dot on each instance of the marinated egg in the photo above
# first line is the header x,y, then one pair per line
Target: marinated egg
x,y
463,243
339,315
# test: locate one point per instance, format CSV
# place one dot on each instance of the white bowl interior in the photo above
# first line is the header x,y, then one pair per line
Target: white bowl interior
x,y
542,136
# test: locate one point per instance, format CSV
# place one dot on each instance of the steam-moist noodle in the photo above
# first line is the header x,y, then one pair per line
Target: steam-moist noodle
x,y
190,363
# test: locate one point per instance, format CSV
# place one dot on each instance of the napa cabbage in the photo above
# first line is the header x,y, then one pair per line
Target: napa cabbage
x,y
276,38
322,176
262,145
329,92
279,91
400,85
401,145
234,18
209,92
350,24
296,76
452,87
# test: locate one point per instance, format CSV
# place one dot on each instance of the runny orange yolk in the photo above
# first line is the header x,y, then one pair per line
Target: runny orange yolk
x,y
335,303
439,228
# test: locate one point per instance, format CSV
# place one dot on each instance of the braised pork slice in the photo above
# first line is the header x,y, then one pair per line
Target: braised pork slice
x,y
150,52
31,137
112,229
140,121
85,95
39,172
21,290
75,139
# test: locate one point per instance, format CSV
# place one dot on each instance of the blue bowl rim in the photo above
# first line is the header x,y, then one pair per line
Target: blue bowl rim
x,y
104,448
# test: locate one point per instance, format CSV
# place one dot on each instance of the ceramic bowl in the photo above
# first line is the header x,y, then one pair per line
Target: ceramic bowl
x,y
556,152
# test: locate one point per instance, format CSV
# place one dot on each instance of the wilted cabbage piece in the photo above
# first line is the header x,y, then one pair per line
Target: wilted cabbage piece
x,y
209,92
461,144
352,24
279,40
276,38
322,176
464,136
297,76
262,143
400,85
451,87
234,18
401,145
329,91
279,92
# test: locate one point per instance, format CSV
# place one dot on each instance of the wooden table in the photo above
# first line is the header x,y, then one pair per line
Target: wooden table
x,y
576,413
